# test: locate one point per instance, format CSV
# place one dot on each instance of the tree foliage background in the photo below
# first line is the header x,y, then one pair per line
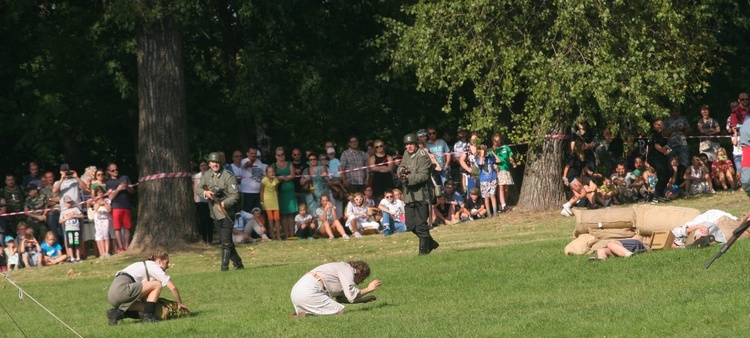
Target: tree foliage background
x,y
297,73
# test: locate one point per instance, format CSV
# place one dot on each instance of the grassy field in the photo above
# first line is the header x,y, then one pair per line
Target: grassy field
x,y
504,277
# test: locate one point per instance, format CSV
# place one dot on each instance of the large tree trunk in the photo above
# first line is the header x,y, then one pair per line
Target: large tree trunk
x,y
166,210
542,187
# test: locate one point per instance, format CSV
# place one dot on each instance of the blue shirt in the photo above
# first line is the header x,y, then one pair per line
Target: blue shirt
x,y
51,251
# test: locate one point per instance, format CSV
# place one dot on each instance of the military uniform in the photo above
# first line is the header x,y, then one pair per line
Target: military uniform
x,y
225,182
36,205
416,196
14,203
53,213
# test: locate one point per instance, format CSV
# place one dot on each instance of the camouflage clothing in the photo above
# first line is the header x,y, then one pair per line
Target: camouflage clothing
x,y
13,198
36,205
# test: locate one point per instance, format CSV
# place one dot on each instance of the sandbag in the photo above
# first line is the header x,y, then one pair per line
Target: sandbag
x,y
650,218
727,226
608,218
602,234
581,245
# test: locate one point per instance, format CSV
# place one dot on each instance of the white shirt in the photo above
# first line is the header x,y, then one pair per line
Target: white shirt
x,y
138,272
250,183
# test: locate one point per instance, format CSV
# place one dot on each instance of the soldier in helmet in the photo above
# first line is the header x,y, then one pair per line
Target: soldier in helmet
x,y
219,187
414,173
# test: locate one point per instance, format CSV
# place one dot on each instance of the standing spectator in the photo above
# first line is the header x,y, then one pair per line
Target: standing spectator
x,y
102,207
99,180
740,111
708,127
3,228
467,161
335,182
33,177
53,203
219,187
317,176
120,190
440,151
269,195
737,154
352,166
35,208
504,159
205,226
414,173
72,217
14,198
381,166
300,165
657,152
487,179
676,128
287,199
253,170
458,149
236,166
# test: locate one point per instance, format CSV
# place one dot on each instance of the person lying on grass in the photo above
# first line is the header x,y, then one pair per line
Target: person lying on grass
x,y
701,235
314,292
621,248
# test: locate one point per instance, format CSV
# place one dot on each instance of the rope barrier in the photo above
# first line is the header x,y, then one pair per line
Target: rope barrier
x,y
21,293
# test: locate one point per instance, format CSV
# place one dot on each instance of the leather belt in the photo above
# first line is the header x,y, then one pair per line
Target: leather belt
x,y
320,280
126,275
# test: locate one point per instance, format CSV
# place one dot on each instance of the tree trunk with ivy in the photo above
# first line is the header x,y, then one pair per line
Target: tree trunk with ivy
x,y
166,211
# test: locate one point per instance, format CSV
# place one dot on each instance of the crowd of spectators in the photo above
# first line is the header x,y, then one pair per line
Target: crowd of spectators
x,y
658,167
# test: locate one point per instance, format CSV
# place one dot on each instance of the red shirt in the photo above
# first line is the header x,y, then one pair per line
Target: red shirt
x,y
738,116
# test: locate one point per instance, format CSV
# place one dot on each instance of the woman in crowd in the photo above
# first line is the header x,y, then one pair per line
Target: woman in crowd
x,y
287,199
466,161
328,219
381,167
576,178
317,175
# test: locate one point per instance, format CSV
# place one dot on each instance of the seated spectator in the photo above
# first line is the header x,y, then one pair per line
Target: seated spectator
x,y
576,178
453,198
303,224
707,169
637,182
246,223
697,178
11,253
676,185
621,248
443,213
722,171
625,193
357,216
607,193
52,250
393,213
328,220
652,180
474,207
30,250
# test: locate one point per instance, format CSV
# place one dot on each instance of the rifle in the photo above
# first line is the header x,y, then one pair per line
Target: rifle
x,y
213,201
735,235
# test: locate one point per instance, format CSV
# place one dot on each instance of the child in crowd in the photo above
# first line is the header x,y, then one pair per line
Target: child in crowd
x,y
305,227
102,207
51,250
607,193
722,171
30,250
474,206
392,210
328,220
651,179
71,218
357,216
443,213
247,222
737,155
504,160
635,180
11,253
487,179
269,201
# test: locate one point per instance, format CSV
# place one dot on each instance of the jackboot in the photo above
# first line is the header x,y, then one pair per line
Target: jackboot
x,y
236,260
433,244
225,254
114,315
424,246
149,313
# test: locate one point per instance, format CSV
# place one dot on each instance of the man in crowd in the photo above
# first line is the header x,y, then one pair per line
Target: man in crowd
x,y
14,198
439,149
740,112
253,171
675,129
32,177
53,203
299,168
236,166
458,148
120,190
35,208
219,187
414,173
352,166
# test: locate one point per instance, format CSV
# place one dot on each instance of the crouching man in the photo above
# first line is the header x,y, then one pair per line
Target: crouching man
x,y
313,294
137,288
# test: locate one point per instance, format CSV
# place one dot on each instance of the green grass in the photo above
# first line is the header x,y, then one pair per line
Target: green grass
x,y
504,277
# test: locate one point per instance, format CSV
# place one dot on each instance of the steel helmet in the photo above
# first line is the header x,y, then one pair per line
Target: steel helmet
x,y
411,138
214,157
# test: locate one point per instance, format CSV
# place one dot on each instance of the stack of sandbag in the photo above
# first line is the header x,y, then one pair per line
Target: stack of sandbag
x,y
594,228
